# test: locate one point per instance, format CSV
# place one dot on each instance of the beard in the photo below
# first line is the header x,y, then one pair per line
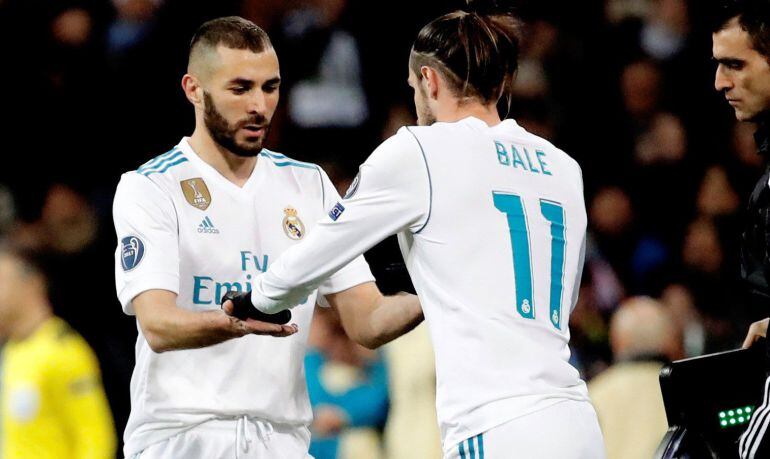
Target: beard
x,y
425,117
224,134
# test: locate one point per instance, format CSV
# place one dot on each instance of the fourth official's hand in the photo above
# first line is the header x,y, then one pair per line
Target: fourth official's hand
x,y
756,331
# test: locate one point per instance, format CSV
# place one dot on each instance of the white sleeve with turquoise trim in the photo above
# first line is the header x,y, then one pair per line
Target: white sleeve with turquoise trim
x,y
392,194
147,255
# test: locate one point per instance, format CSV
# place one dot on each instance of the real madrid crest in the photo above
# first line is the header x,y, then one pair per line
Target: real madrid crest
x,y
292,225
196,193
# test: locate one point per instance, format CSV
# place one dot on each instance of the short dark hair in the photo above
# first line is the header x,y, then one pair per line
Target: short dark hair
x,y
476,50
233,32
753,17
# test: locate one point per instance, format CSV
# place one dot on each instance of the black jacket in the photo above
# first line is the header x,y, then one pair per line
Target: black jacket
x,y
755,243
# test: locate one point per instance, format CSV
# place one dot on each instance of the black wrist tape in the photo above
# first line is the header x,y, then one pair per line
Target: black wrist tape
x,y
243,309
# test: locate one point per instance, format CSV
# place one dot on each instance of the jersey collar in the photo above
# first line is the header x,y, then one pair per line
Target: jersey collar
x,y
213,174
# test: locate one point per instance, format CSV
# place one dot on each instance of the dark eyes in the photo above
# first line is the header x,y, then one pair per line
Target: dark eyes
x,y
238,90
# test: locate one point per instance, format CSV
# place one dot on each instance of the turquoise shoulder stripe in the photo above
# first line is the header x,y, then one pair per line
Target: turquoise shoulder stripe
x,y
296,164
166,167
272,154
280,160
158,159
160,164
284,160
462,450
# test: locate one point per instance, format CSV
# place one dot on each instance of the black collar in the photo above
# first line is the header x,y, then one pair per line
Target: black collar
x,y
762,136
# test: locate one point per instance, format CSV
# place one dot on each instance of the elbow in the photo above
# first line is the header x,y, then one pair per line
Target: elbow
x,y
156,342
370,342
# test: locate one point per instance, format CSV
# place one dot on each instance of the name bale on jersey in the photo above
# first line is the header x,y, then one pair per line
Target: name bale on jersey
x,y
515,157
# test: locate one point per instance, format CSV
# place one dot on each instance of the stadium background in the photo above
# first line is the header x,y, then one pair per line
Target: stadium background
x,y
91,89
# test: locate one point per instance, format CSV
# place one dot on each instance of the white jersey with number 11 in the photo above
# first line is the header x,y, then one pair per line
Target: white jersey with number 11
x,y
492,225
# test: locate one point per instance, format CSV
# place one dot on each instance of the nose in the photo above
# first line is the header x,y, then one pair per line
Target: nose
x,y
257,103
721,81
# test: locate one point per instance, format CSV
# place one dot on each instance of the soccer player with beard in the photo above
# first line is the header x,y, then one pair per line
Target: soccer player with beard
x,y
492,224
205,219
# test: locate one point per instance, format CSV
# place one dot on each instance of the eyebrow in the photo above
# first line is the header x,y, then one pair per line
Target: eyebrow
x,y
241,82
728,60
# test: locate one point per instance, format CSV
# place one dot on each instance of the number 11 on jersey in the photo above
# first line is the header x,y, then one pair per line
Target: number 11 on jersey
x,y
513,208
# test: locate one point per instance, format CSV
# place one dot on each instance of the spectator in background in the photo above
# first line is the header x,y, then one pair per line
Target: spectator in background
x,y
348,390
324,84
133,24
627,396
52,405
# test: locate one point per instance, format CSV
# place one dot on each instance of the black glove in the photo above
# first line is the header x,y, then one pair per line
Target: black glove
x,y
243,309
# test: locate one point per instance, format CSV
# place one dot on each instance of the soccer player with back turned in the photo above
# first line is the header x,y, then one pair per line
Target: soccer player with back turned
x,y
491,221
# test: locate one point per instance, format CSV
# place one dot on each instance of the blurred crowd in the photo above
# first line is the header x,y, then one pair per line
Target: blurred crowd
x,y
624,86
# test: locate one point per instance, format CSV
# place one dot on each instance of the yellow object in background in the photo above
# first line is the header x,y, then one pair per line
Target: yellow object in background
x,y
52,403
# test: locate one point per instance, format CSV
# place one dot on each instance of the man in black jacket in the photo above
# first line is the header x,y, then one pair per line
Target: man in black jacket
x,y
741,48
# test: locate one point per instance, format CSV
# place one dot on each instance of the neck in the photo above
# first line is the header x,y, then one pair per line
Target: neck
x,y
234,168
29,322
457,111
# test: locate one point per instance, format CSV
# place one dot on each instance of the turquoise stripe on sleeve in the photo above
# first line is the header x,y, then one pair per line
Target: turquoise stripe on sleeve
x,y
161,163
296,164
480,440
158,159
272,154
283,161
462,450
166,167
471,449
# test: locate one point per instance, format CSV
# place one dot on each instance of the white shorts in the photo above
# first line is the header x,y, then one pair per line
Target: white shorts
x,y
243,438
566,430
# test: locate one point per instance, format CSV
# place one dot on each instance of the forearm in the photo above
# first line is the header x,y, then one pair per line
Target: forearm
x,y
371,319
168,327
392,317
184,329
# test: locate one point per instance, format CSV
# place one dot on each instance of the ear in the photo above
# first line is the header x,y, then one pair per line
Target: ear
x,y
192,90
430,78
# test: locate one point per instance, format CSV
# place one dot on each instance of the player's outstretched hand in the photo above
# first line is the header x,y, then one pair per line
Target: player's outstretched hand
x,y
248,325
756,331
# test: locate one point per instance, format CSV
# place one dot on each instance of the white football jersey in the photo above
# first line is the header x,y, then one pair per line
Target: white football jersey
x,y
492,224
183,227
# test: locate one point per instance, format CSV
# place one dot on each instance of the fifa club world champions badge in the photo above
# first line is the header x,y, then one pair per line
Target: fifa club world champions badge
x,y
196,193
292,225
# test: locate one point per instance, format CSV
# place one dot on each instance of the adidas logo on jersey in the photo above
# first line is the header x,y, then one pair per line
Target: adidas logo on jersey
x,y
207,226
